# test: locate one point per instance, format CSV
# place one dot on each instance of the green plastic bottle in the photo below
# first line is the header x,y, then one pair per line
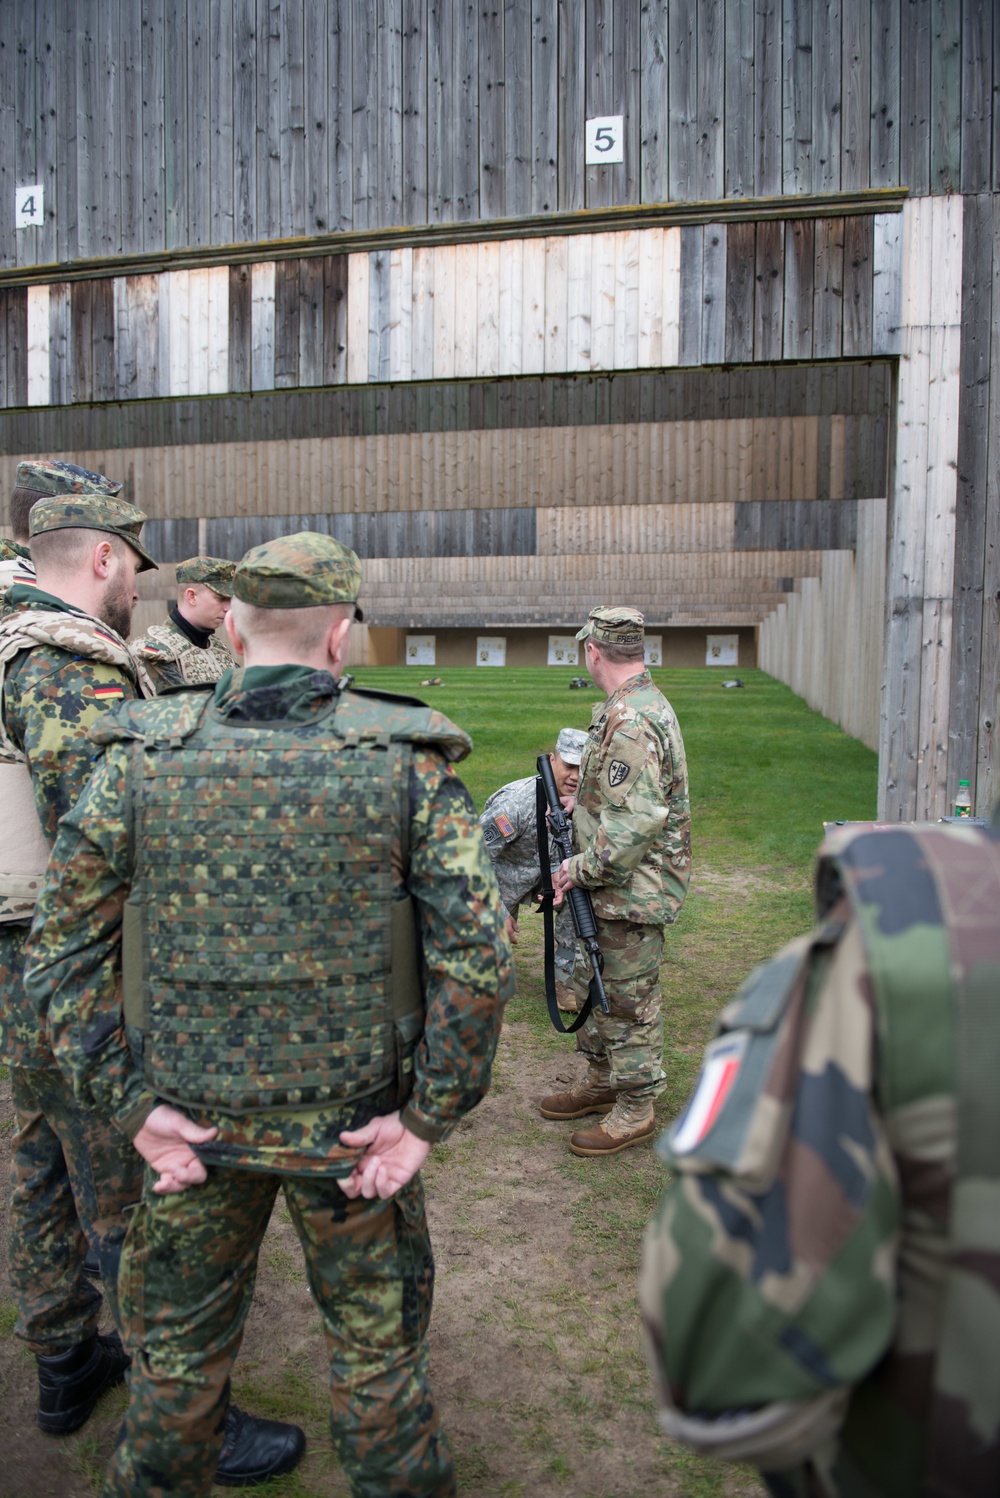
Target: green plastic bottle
x,y
963,801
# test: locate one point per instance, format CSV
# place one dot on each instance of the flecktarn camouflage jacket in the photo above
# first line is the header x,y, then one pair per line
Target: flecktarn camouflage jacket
x,y
73,975
821,1284
632,822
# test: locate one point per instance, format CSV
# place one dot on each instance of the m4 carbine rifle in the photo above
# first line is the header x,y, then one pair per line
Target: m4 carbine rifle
x,y
581,909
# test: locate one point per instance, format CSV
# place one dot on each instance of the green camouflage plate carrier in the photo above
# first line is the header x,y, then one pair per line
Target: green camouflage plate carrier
x,y
848,1099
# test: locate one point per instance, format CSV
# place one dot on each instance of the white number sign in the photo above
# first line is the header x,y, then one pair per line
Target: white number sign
x,y
29,206
605,140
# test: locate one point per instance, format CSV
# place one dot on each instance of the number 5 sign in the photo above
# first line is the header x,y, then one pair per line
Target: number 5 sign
x,y
28,206
605,140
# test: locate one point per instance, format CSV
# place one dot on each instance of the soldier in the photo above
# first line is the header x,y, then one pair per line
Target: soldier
x,y
821,1283
334,1046
32,482
509,827
631,827
64,662
184,651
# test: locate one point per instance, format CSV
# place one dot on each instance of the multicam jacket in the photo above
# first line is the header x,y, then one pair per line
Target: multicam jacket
x,y
438,857
16,566
632,823
172,659
821,1285
52,695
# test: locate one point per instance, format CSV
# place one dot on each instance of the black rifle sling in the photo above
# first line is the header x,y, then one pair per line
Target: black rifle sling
x,y
548,921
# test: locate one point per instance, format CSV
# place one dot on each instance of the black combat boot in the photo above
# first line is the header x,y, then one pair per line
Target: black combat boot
x,y
254,1450
71,1383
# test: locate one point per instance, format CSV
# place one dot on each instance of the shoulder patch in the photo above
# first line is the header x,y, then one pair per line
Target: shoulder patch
x,y
109,693
719,1071
503,823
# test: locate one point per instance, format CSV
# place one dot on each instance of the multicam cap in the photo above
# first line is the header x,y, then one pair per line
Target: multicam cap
x,y
214,572
303,571
613,626
53,476
570,744
93,512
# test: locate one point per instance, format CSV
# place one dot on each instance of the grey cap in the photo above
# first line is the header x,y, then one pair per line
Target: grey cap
x,y
570,745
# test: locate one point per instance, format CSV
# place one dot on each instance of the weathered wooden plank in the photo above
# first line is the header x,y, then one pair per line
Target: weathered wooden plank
x,y
671,295
946,96
797,85
768,302
600,92
262,325
81,342
223,71
243,159
858,285
240,327
37,381
654,156
67,177
885,99
827,96
364,116
556,307
444,312
389,177
488,309
682,116
60,370
626,68
422,318
515,23
465,81
855,130
626,335
340,130
492,122
828,289
978,22
767,98
602,307
465,263
378,315
691,306
291,120
887,283
318,103
578,302
108,138
103,335
545,94
441,112
739,297
799,279
915,94
713,295
286,324
310,319
414,107
334,319
87,147
740,147
509,316
8,146
533,306
268,70
572,104
197,187
217,316
988,768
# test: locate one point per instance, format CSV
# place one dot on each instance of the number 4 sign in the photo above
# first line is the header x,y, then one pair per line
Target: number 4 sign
x,y
605,140
28,206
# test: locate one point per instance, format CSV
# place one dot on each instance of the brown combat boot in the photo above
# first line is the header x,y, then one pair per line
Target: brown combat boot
x,y
594,1095
566,997
629,1122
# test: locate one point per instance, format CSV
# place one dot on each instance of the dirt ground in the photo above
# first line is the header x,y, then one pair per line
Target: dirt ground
x,y
535,1341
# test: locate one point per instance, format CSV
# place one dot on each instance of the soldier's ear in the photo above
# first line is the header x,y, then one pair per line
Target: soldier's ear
x,y
336,641
234,638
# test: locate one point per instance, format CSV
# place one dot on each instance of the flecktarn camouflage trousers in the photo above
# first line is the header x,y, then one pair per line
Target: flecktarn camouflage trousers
x,y
186,1283
73,1177
630,1038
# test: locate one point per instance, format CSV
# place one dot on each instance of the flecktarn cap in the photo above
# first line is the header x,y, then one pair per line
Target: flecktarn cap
x,y
614,625
52,476
92,512
570,745
214,572
304,571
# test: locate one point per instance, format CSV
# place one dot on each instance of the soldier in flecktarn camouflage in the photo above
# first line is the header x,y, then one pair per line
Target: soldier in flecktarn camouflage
x,y
311,1009
185,651
821,1284
509,823
40,478
632,836
63,662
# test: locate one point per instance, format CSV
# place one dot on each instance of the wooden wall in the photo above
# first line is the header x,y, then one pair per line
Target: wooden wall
x,y
155,125
796,289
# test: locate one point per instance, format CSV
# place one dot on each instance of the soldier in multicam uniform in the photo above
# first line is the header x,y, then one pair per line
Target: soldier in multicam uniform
x,y
333,1046
185,651
63,662
821,1283
632,832
509,827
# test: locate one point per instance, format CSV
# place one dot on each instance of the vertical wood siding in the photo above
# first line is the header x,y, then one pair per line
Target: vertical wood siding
x,y
157,125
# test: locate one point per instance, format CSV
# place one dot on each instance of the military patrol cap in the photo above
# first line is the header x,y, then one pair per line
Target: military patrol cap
x,y
214,572
304,571
569,745
52,476
92,512
613,626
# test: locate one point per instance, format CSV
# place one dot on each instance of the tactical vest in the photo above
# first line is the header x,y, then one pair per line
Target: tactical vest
x,y
266,963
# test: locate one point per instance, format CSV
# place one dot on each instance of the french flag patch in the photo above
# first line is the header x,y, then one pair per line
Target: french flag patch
x,y
719,1071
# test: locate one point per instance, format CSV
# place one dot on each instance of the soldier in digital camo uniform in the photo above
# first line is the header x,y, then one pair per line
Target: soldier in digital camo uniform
x,y
632,833
821,1283
185,651
333,1047
509,827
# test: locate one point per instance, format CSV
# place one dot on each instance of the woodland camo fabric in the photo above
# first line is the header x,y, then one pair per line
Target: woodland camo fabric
x,y
850,1164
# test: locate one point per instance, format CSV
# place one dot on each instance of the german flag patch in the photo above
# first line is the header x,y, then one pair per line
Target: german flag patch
x,y
109,693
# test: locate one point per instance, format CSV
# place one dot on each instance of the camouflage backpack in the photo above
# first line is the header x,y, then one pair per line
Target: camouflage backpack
x,y
821,1285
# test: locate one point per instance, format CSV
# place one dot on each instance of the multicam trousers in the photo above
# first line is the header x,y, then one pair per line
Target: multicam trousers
x,y
72,1179
187,1280
630,1038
